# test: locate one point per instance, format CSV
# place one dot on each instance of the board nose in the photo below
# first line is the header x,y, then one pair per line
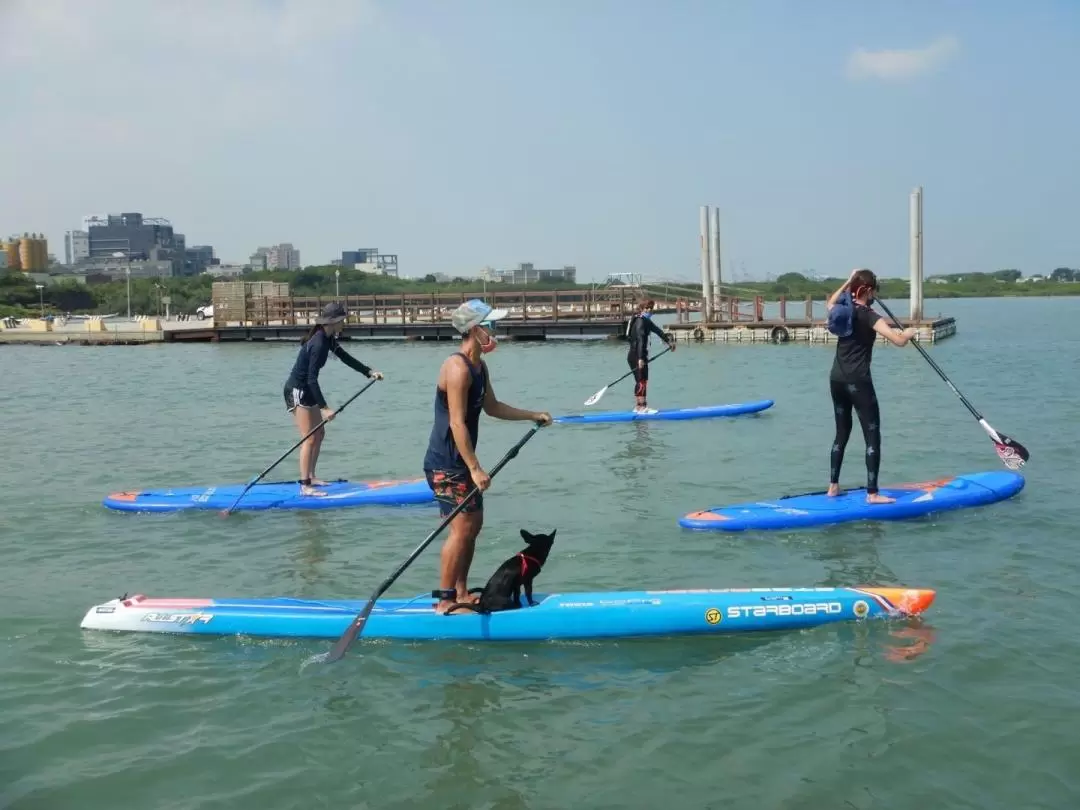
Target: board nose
x,y
912,601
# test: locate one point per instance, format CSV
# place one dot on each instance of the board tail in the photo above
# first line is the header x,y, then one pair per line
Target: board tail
x,y
910,601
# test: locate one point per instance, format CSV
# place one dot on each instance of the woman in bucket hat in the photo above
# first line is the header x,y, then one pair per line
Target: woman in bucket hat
x,y
303,396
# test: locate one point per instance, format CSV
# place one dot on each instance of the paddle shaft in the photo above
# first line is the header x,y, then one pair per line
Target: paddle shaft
x,y
347,638
285,455
934,365
631,371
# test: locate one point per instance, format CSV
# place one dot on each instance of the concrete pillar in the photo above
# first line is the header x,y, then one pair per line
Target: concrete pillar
x,y
714,269
706,251
916,255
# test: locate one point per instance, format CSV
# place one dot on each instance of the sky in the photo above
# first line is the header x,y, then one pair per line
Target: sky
x,y
461,134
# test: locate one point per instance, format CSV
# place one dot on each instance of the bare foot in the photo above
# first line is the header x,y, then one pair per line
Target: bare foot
x,y
318,482
445,605
879,498
312,492
834,490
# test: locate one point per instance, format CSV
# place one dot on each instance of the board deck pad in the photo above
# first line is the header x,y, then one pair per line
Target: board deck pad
x,y
668,414
274,495
588,615
818,509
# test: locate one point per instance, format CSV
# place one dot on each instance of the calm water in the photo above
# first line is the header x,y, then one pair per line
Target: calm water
x,y
974,707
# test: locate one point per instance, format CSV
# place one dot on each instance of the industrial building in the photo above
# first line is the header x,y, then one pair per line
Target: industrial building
x,y
143,246
28,253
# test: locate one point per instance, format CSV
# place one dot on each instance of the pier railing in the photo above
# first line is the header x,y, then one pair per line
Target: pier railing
x,y
234,306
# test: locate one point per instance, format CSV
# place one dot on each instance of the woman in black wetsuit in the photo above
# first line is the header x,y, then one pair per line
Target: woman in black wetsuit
x,y
303,396
851,384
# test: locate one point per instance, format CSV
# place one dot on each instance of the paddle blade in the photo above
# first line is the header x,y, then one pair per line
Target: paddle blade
x,y
596,397
1012,454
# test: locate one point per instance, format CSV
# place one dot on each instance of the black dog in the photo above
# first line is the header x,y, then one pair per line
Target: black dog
x,y
503,590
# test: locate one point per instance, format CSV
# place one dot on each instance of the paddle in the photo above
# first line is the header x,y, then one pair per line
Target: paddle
x,y
1012,453
283,456
596,397
357,625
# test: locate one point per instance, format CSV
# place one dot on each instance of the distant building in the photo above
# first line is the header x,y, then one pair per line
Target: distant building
x,y
283,257
257,260
76,247
525,273
370,260
198,258
150,240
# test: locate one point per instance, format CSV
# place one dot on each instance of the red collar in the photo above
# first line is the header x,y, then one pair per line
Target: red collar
x,y
525,560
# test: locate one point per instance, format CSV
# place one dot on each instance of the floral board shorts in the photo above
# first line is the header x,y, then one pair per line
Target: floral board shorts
x,y
451,487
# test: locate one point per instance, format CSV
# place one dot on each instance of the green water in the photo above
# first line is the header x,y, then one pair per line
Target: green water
x,y
973,707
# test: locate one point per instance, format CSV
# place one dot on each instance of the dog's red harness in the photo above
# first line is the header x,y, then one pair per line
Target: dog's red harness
x,y
525,560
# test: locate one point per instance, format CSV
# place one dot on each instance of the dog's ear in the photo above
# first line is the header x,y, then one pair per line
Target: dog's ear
x,y
553,533
526,536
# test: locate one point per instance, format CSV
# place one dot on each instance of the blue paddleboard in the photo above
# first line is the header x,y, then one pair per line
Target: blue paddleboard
x,y
670,414
817,508
592,615
273,495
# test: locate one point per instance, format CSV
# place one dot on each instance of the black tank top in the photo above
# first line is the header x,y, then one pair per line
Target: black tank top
x,y
442,452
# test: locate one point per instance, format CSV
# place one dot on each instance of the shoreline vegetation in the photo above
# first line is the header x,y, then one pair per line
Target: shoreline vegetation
x,y
20,298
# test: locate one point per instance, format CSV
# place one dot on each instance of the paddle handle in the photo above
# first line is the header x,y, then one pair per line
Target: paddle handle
x,y
358,623
934,365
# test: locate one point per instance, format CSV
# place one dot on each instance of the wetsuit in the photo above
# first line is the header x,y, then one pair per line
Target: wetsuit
x,y
445,469
302,386
852,387
638,335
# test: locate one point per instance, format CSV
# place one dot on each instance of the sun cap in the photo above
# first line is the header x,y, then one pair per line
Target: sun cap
x,y
333,312
474,313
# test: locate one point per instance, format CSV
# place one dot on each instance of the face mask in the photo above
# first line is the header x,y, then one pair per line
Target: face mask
x,y
492,343
646,315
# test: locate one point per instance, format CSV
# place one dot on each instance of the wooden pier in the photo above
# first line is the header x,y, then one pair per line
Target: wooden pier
x,y
255,313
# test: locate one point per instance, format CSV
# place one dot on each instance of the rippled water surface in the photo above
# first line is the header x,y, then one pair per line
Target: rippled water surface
x,y
973,707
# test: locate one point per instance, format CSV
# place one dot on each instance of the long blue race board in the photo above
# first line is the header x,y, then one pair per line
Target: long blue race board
x,y
816,509
604,614
670,414
274,495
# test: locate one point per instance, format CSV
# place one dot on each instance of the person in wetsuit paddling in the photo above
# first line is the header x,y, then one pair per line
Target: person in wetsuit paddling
x,y
851,384
451,467
303,396
637,357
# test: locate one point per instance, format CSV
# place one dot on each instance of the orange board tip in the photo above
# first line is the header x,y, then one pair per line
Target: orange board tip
x,y
123,496
910,600
706,516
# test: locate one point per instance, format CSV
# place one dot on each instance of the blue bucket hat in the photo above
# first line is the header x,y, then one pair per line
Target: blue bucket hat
x,y
474,313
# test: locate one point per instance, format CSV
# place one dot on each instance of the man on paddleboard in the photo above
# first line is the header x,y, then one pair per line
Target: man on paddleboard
x,y
637,332
451,467
857,327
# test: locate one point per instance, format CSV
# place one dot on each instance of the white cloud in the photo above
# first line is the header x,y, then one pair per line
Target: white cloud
x,y
898,65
